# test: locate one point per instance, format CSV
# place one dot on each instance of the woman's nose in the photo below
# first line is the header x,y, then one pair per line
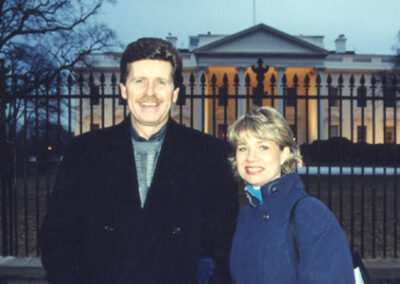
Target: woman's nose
x,y
251,155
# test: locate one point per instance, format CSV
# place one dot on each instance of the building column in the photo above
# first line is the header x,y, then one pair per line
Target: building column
x,y
281,71
200,102
241,106
321,104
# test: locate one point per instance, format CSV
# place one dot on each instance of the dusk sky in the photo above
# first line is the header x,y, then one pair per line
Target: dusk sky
x,y
369,26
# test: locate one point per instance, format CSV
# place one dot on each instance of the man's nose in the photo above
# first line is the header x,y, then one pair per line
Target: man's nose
x,y
150,89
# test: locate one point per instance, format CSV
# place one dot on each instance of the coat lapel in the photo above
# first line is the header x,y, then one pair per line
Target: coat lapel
x,y
165,187
122,170
163,194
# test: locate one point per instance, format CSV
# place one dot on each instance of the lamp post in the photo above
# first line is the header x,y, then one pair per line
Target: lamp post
x,y
260,69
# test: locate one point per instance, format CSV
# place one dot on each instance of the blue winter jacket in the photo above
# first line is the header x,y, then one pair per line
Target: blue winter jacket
x,y
262,249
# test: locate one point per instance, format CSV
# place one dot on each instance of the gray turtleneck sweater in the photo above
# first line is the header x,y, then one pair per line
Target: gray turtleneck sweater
x,y
146,154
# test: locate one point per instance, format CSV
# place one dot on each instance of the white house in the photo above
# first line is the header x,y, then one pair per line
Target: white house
x,y
307,107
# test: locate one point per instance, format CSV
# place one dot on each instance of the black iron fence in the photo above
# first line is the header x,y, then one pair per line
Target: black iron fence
x,y
347,129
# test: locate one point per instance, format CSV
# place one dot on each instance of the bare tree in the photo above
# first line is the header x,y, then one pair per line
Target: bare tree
x,y
42,39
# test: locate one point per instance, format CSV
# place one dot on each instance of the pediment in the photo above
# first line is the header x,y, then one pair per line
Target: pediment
x,y
260,39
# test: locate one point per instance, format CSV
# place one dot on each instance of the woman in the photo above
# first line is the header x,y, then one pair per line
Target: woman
x,y
264,246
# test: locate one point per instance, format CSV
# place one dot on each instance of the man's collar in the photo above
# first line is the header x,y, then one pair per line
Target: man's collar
x,y
158,136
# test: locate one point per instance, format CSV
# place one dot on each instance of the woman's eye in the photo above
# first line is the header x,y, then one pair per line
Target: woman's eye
x,y
263,147
242,149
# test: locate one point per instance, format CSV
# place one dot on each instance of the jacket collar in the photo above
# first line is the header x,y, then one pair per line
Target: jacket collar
x,y
282,189
158,136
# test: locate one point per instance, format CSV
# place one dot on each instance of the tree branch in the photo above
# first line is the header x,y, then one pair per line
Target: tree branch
x,y
22,28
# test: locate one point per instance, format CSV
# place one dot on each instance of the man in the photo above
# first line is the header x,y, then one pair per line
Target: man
x,y
143,201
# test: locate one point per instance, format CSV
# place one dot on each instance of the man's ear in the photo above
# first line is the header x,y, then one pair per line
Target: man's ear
x,y
175,95
123,90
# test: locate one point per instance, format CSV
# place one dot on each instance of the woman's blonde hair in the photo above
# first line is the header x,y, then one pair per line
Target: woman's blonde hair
x,y
266,123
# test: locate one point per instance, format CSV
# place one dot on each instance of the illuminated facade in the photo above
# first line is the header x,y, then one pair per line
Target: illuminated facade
x,y
224,63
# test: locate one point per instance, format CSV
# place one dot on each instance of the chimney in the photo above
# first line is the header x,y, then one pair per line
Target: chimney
x,y
340,43
172,39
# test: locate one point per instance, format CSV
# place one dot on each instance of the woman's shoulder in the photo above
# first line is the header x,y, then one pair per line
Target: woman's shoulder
x,y
313,219
311,207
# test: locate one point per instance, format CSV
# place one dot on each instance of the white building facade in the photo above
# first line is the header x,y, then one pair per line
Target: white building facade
x,y
321,93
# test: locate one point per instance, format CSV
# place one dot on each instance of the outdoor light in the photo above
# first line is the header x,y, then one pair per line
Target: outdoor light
x,y
259,69
49,148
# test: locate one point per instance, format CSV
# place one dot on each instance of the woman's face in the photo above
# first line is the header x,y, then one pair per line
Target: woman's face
x,y
259,161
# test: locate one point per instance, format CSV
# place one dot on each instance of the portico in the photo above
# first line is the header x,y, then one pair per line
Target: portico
x,y
227,62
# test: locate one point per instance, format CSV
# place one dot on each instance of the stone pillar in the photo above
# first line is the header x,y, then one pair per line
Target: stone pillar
x,y
200,102
241,106
281,71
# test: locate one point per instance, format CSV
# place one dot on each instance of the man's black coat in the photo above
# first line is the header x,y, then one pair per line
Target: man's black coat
x,y
96,231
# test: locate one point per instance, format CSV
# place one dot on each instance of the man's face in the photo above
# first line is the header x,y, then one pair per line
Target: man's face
x,y
149,90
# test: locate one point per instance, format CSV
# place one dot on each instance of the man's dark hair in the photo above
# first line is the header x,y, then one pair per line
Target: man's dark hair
x,y
151,48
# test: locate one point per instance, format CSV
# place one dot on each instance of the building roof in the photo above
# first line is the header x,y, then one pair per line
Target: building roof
x,y
260,39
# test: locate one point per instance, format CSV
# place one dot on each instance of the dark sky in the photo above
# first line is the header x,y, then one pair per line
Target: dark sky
x,y
369,26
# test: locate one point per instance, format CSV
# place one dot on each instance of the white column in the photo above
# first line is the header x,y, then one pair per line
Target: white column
x,y
241,107
200,101
321,103
281,71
